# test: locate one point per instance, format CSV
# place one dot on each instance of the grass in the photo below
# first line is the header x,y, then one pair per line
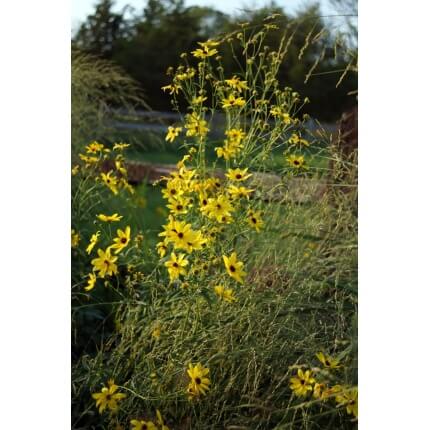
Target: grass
x,y
299,299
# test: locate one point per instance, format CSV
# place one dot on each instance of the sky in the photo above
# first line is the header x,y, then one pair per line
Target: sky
x,y
82,8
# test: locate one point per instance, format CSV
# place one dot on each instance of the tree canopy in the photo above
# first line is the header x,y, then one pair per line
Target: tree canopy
x,y
146,44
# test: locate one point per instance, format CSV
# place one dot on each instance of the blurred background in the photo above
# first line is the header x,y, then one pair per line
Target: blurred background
x,y
144,38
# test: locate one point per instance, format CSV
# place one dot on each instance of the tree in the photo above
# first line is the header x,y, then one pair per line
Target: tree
x,y
150,42
101,31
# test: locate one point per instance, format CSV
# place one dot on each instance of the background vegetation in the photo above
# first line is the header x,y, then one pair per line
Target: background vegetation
x,y
173,28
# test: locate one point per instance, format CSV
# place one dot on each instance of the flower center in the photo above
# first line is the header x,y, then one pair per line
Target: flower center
x,y
238,176
180,235
123,240
175,265
198,381
232,269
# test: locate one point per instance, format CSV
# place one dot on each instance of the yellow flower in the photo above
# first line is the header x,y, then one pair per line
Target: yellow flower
x,y
105,263
200,382
91,282
276,111
219,208
232,101
232,144
255,221
156,333
198,100
204,204
349,398
196,126
93,241
176,265
142,425
181,163
162,248
319,391
94,147
75,238
172,133
226,294
180,234
238,174
181,76
235,134
174,88
296,161
229,150
120,146
110,181
88,160
237,84
108,397
109,218
327,361
238,192
190,72
127,186
178,206
287,118
122,240
295,139
234,267
207,51
195,241
302,383
75,170
174,188
160,421
322,392
120,167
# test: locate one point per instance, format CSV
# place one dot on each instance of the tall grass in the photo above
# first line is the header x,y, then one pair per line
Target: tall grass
x,y
99,88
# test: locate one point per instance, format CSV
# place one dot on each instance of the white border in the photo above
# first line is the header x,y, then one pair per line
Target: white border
x,y
35,215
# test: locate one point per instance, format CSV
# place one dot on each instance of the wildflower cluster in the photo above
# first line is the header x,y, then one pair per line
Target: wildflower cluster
x,y
317,383
200,278
105,264
96,157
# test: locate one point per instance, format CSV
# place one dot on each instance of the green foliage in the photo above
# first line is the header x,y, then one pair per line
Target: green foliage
x,y
313,64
